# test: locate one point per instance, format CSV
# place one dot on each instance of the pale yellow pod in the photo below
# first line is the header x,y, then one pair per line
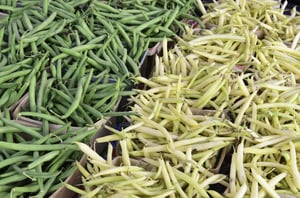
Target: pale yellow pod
x,y
90,152
264,184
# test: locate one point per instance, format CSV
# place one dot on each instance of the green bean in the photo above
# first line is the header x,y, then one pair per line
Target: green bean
x,y
20,171
6,8
97,40
1,36
88,33
80,137
12,179
9,136
140,51
113,66
124,55
103,101
44,24
7,174
59,68
98,60
77,99
42,175
77,3
5,97
82,31
94,64
61,109
63,5
47,186
47,91
38,169
86,47
140,15
78,39
4,19
36,17
62,13
115,43
34,48
149,23
82,69
32,86
133,65
101,94
85,115
3,61
70,71
60,130
134,46
59,161
63,42
33,38
62,94
111,103
27,130
12,43
67,52
15,160
47,157
93,111
17,29
107,24
104,6
53,69
43,116
45,127
65,135
45,5
81,66
172,17
54,30
17,191
88,81
35,147
40,95
90,96
102,88
107,42
10,85
64,175
119,62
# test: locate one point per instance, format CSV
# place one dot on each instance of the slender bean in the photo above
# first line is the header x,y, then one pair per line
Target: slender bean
x,y
77,99
12,179
5,97
27,130
47,157
14,160
44,24
43,116
35,147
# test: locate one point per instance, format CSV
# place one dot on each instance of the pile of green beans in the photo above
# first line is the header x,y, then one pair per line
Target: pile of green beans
x,y
44,57
73,45
220,114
